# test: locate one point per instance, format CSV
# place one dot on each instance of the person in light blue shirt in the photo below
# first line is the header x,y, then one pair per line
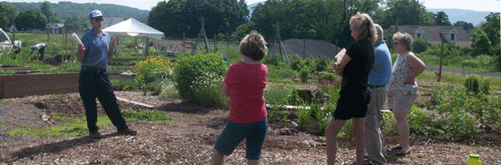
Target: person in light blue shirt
x,y
378,78
94,52
40,48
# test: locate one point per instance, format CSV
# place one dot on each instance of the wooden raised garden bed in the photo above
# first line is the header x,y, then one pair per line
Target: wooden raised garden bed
x,y
21,85
16,68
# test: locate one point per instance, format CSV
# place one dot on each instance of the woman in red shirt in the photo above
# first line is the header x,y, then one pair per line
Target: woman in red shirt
x,y
244,84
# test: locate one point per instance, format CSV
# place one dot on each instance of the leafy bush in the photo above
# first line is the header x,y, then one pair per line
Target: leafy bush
x,y
206,69
303,115
328,76
323,116
207,92
486,85
275,93
151,69
168,91
304,74
293,98
472,83
296,63
321,64
419,45
124,85
419,121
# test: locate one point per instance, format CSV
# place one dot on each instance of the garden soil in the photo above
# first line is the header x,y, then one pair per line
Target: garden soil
x,y
191,136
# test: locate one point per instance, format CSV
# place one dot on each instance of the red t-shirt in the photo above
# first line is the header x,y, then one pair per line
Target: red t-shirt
x,y
246,83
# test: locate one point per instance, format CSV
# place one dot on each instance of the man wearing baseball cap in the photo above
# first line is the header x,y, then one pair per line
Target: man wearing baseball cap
x,y
94,52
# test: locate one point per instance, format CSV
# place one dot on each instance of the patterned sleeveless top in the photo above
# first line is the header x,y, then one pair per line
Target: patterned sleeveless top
x,y
401,70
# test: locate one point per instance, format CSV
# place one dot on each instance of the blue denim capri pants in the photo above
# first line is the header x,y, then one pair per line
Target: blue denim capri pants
x,y
233,133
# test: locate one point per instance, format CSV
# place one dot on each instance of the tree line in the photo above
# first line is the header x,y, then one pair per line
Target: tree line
x,y
309,19
29,15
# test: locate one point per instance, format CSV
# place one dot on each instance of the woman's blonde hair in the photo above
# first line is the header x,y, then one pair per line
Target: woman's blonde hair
x,y
253,45
364,27
403,38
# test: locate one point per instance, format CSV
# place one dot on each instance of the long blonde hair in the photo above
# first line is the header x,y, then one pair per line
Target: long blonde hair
x,y
364,27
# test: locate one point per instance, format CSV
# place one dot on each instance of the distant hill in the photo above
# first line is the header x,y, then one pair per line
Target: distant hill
x,y
474,17
67,9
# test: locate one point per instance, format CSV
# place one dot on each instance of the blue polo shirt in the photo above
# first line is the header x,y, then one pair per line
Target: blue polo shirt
x,y
381,70
96,49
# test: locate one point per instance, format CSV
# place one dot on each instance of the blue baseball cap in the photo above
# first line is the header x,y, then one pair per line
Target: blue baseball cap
x,y
95,13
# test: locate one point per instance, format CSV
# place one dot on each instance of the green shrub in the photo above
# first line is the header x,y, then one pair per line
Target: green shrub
x,y
328,76
304,74
296,63
275,93
303,115
124,85
150,70
279,73
419,121
323,115
169,91
472,83
462,123
388,124
321,64
293,98
486,85
419,45
207,92
199,68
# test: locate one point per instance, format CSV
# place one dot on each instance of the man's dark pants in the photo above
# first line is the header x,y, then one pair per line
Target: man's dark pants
x,y
42,52
95,83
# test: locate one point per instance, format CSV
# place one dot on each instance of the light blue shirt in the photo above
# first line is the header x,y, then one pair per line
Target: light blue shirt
x,y
38,46
96,49
381,70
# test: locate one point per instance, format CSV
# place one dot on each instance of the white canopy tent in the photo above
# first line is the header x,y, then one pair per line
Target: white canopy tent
x,y
132,27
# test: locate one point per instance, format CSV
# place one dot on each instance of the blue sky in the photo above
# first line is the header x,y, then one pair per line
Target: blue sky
x,y
477,5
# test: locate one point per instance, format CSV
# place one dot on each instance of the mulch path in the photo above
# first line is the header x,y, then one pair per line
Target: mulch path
x,y
191,138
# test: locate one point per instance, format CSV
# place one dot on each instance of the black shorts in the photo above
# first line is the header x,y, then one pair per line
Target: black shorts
x,y
352,103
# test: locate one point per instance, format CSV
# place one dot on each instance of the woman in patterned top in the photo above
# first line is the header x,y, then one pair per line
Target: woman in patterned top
x,y
403,89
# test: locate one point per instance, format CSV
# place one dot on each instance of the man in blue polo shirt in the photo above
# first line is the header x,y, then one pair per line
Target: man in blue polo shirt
x,y
94,52
378,78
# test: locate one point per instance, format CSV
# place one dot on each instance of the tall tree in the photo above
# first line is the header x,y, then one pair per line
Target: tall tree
x,y
177,16
491,28
76,22
8,14
406,12
466,25
31,19
45,9
481,43
441,19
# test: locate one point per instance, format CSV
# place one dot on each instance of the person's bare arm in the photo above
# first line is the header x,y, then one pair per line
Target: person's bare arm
x,y
225,89
417,65
339,66
81,51
112,48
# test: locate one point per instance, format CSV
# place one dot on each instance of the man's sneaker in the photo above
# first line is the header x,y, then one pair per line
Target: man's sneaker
x,y
128,131
94,134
